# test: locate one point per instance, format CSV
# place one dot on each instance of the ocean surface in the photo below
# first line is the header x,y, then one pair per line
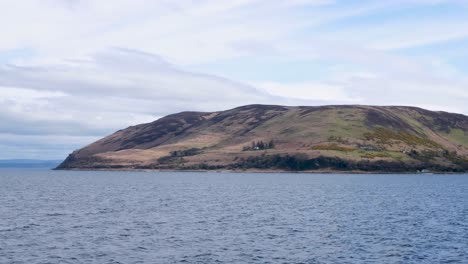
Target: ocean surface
x,y
150,217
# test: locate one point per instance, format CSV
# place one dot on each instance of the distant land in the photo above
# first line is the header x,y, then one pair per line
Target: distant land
x,y
341,138
29,163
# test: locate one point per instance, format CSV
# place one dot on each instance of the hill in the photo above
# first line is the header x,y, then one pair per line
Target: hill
x,y
301,138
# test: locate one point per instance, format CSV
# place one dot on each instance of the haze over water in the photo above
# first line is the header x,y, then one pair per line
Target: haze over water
x,y
148,217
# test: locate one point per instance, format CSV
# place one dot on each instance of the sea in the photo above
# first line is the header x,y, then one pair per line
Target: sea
x,y
51,216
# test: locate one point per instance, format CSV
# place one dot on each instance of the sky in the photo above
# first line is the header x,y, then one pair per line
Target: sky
x,y
73,71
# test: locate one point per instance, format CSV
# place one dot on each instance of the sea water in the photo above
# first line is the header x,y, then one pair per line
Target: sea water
x,y
174,217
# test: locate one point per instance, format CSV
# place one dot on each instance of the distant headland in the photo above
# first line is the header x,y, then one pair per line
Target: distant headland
x,y
341,138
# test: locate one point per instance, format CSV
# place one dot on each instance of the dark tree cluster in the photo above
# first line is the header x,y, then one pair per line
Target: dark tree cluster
x,y
302,162
294,163
428,155
176,156
259,145
184,153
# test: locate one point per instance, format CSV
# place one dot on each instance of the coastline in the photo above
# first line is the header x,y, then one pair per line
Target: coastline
x,y
259,171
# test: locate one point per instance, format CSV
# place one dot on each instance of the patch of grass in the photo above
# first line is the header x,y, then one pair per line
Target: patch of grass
x,y
459,136
338,139
398,155
345,124
373,155
332,147
385,136
412,119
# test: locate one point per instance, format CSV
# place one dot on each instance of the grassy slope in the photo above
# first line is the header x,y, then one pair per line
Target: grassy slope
x,y
352,133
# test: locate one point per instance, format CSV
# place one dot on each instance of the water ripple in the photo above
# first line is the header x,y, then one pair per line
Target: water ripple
x,y
124,217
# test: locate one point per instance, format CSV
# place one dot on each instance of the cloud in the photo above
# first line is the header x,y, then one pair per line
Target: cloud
x,y
111,89
185,31
76,70
322,92
94,96
107,91
40,146
404,33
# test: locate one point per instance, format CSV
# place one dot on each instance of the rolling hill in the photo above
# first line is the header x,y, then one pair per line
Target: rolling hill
x,y
348,138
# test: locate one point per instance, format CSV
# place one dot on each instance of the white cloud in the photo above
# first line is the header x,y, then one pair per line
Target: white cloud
x,y
402,34
324,92
80,69
184,31
113,89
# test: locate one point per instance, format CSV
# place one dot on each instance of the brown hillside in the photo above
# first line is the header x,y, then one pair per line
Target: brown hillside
x,y
345,138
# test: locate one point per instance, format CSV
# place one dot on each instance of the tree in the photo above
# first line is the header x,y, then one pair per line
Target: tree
x,y
261,145
271,144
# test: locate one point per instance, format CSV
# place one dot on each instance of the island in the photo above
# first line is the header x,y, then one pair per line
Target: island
x,y
272,138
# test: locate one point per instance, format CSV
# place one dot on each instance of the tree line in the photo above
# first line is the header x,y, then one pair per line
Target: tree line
x,y
259,145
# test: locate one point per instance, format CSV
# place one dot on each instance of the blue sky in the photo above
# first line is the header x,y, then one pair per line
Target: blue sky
x,y
72,71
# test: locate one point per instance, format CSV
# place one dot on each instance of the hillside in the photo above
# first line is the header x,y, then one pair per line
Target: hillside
x,y
302,138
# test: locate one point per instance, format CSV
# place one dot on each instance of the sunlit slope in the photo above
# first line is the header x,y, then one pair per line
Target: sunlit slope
x,y
357,138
